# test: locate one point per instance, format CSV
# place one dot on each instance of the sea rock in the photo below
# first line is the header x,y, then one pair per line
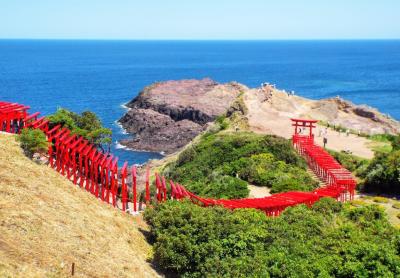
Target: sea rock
x,y
365,112
166,116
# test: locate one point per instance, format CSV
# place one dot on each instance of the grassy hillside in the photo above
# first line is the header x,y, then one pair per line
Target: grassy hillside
x,y
221,165
47,223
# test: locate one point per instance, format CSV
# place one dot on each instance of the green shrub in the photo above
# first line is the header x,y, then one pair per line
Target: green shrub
x,y
328,240
381,200
87,125
327,206
222,122
395,141
186,156
224,125
382,138
33,141
382,176
366,197
220,119
222,164
383,173
358,203
225,187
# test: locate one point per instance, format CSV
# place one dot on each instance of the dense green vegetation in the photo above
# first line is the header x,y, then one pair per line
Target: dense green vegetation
x,y
222,164
87,124
383,173
33,141
328,240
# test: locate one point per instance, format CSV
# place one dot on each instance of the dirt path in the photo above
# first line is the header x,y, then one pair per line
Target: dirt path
x,y
258,191
339,141
272,116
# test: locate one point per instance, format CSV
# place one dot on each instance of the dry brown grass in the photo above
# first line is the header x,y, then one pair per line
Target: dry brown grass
x,y
47,223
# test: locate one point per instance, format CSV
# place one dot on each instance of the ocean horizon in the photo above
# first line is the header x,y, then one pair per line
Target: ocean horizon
x,y
199,40
102,75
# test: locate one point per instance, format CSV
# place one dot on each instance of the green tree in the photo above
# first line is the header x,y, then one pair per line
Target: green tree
x,y
383,174
87,125
395,141
33,141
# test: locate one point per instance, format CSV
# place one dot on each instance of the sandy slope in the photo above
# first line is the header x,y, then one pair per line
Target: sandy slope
x,y
272,116
258,191
47,223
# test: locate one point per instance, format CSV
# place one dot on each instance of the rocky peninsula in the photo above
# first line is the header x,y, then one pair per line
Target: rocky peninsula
x,y
166,116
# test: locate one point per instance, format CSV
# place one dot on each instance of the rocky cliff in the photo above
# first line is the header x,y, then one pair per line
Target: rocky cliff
x,y
166,116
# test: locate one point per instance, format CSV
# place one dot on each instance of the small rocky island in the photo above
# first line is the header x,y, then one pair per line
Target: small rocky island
x,y
166,116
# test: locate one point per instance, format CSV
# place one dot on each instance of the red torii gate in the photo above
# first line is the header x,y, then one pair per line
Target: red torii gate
x,y
12,116
339,180
301,123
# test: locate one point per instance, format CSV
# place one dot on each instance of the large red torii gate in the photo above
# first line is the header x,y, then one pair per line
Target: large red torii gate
x,y
302,123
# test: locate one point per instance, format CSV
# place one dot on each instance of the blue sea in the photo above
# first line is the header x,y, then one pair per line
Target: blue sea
x,y
103,75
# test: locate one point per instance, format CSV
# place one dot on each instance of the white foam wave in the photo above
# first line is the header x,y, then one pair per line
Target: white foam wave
x,y
125,107
122,129
120,146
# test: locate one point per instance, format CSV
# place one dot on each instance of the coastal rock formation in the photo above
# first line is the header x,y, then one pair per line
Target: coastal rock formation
x,y
361,118
272,115
166,116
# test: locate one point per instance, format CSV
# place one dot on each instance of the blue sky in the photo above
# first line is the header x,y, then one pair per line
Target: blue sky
x,y
201,19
